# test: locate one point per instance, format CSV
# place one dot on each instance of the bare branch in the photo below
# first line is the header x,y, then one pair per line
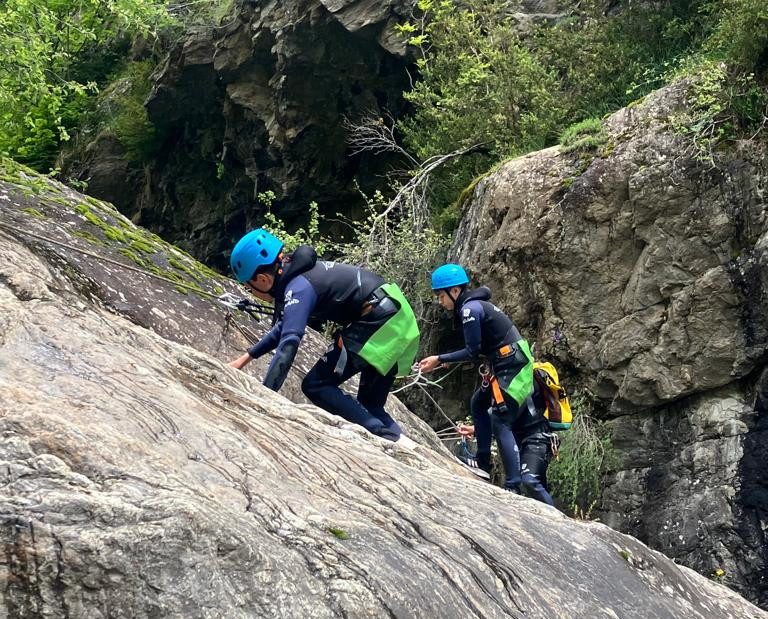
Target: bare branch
x,y
375,134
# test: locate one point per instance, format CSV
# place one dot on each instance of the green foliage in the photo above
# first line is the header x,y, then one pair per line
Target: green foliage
x,y
722,107
583,135
483,83
479,85
397,249
603,61
41,94
121,110
310,235
740,35
585,456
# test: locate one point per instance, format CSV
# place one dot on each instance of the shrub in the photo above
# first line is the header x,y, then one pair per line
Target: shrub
x,y
310,235
586,454
398,249
479,85
722,106
740,33
121,110
41,94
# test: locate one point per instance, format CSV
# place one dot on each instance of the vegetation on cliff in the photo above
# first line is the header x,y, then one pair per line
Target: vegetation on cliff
x,y
486,81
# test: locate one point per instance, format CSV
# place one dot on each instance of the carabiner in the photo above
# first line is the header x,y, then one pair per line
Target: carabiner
x,y
484,372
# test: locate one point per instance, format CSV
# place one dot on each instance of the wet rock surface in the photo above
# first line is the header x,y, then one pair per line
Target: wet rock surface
x,y
143,478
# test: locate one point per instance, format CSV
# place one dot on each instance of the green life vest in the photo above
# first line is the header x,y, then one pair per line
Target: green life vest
x,y
516,377
397,340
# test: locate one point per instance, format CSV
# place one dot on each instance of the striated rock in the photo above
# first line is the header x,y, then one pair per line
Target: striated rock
x,y
144,478
640,270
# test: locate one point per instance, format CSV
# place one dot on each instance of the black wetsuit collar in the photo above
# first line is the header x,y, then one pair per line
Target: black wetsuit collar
x,y
300,261
483,293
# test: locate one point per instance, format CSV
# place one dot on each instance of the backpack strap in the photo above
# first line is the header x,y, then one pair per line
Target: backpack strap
x,y
551,401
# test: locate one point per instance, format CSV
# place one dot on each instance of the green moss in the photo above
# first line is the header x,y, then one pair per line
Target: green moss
x,y
625,554
339,533
33,212
606,150
88,237
585,135
447,220
192,268
94,202
568,181
186,268
636,102
134,257
117,234
113,234
142,245
85,211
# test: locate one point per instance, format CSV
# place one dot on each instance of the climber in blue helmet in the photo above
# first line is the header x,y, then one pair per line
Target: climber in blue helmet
x,y
379,335
503,401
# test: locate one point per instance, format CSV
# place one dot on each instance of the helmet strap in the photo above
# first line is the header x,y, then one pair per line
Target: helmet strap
x,y
277,273
451,297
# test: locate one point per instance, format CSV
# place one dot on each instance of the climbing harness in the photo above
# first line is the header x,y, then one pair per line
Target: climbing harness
x,y
489,380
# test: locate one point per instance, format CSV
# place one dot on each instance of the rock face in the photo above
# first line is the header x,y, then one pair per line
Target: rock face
x,y
144,478
641,270
254,105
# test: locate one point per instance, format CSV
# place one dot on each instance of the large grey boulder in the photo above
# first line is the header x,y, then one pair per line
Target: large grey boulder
x,y
639,267
144,478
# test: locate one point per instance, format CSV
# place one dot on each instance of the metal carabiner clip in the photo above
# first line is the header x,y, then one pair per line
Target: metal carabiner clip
x,y
484,372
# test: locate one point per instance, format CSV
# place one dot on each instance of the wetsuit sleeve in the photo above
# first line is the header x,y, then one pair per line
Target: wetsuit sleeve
x,y
266,343
300,300
471,317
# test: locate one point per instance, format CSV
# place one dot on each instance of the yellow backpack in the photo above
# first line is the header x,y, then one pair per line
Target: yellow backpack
x,y
558,408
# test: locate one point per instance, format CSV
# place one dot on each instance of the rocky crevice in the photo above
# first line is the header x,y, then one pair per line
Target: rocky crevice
x,y
253,106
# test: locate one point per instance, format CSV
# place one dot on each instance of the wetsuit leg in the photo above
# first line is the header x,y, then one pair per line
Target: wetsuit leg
x,y
479,404
321,386
508,450
534,458
372,394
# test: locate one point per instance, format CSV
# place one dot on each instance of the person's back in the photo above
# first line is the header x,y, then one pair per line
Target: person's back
x,y
379,335
338,291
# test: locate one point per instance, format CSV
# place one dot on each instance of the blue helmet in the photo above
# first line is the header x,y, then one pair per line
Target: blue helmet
x,y
255,249
447,276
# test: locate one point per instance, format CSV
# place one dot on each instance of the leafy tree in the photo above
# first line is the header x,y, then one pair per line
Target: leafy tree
x,y
480,85
740,33
41,93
